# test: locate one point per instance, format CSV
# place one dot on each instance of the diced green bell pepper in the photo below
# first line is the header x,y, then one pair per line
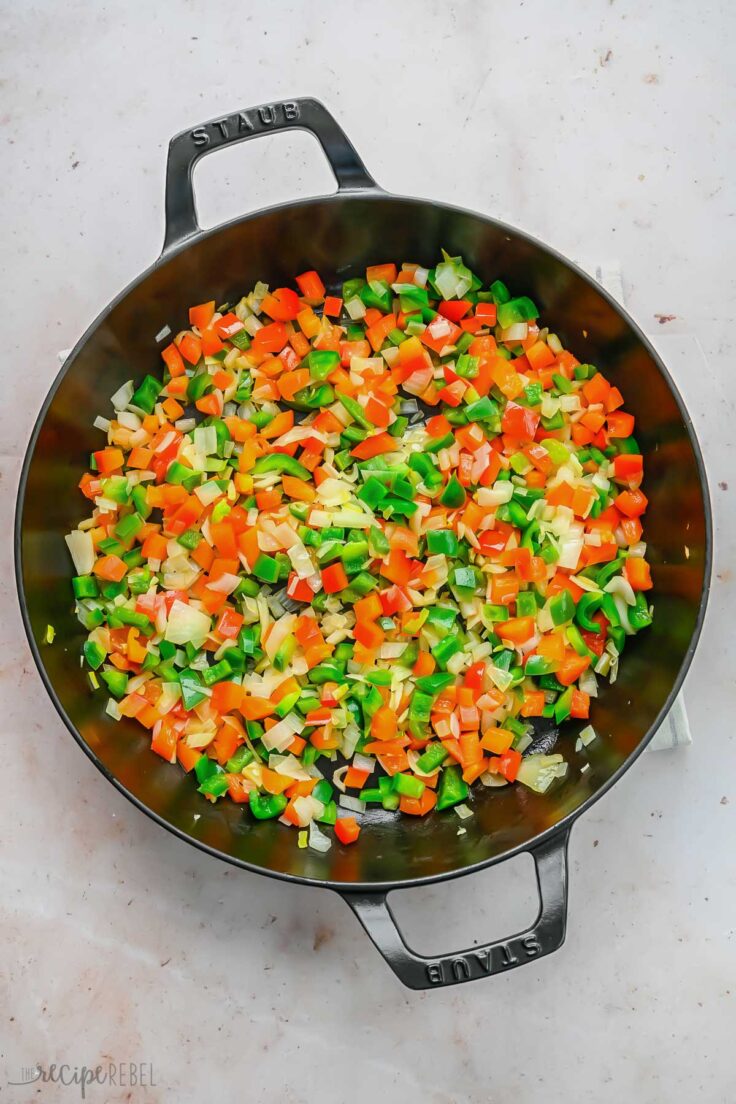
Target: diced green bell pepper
x,y
408,785
321,363
452,789
442,542
420,708
563,705
355,410
145,396
521,309
242,757
433,757
453,495
283,464
94,654
85,586
446,649
266,568
117,682
216,673
267,806
562,607
587,605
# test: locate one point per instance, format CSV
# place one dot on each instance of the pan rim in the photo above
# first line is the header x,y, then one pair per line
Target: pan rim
x,y
565,823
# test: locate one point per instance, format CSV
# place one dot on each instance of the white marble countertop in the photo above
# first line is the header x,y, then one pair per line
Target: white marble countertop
x,y
606,129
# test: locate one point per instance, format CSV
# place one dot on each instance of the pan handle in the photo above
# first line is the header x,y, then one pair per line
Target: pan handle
x,y
302,114
416,971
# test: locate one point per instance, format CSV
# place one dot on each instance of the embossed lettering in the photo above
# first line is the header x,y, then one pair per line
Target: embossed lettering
x,y
434,973
267,114
291,110
460,968
221,125
200,137
244,122
484,959
508,958
531,946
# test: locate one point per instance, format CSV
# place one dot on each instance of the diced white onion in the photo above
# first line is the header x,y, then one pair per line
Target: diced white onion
x,y
538,772
113,709
355,308
318,841
570,549
281,735
205,440
123,395
497,495
338,778
82,550
364,763
589,683
225,584
208,492
187,625
129,420
516,332
493,780
352,803
618,585
587,735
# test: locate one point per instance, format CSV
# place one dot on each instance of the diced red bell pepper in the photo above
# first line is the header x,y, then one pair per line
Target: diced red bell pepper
x,y
509,763
311,287
454,309
628,466
347,829
638,573
632,503
282,305
334,578
201,316
520,422
230,623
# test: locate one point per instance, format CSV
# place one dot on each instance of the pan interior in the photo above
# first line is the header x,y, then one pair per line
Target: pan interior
x,y
339,237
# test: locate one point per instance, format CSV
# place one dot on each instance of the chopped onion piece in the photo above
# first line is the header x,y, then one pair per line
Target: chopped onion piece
x,y
282,734
82,550
225,584
355,308
517,332
497,495
113,709
187,625
123,395
587,735
352,803
620,586
493,780
339,776
318,841
364,763
538,772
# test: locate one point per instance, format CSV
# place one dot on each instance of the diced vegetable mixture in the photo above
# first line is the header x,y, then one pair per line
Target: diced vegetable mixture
x,y
347,547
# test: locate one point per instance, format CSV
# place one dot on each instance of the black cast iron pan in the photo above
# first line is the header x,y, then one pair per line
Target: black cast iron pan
x,y
360,225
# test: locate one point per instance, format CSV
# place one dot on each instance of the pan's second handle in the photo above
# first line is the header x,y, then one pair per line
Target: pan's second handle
x,y
546,934
303,114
